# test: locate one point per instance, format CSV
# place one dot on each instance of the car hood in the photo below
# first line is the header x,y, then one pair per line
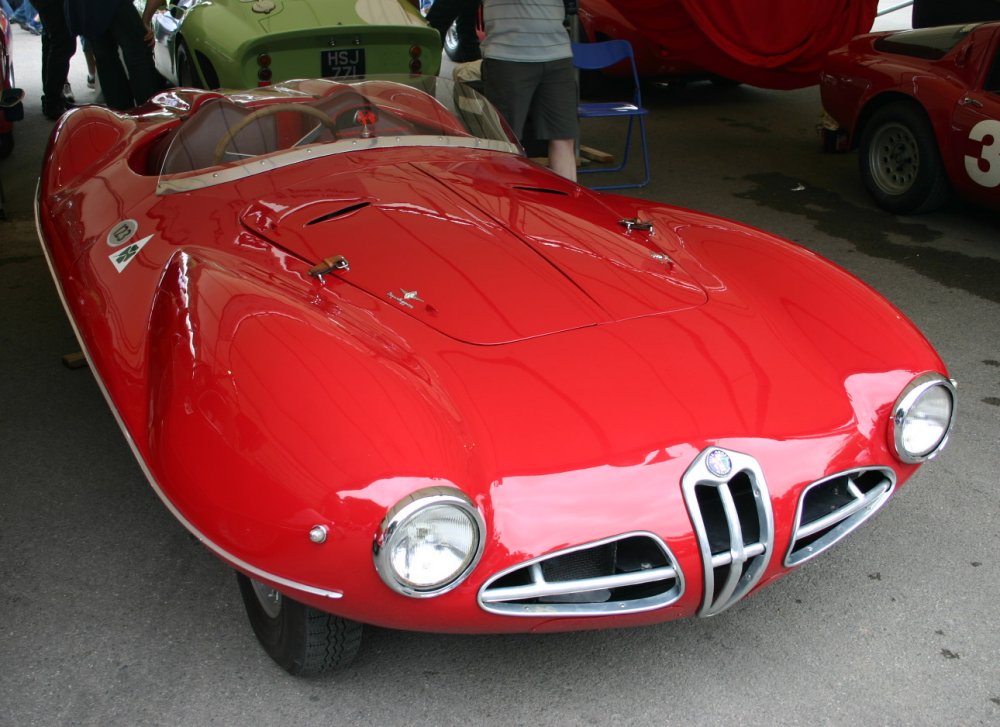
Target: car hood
x,y
484,260
292,16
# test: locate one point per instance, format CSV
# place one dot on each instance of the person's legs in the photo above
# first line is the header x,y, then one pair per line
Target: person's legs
x,y
562,157
130,34
554,115
114,81
88,54
18,16
58,46
466,22
27,17
510,86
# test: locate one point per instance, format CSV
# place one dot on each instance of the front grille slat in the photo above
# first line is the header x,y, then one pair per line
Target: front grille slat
x,y
624,574
737,550
562,588
831,508
730,509
720,560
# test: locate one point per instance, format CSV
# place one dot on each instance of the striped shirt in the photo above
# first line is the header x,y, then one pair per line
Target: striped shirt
x,y
525,30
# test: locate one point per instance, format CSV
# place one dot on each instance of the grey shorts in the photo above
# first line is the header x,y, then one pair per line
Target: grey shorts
x,y
544,92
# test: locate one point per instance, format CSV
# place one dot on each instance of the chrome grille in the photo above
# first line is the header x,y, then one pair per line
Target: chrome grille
x,y
623,574
730,510
831,508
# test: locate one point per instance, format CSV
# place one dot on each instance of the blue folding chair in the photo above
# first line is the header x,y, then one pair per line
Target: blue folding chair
x,y
597,56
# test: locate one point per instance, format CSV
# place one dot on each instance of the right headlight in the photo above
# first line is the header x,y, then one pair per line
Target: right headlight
x,y
922,418
429,542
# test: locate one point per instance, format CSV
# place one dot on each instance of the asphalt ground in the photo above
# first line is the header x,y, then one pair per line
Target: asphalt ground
x,y
113,615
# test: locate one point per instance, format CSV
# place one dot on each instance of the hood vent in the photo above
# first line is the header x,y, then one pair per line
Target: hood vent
x,y
338,213
541,190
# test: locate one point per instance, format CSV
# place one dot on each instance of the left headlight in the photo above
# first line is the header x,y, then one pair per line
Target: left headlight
x,y
429,542
922,418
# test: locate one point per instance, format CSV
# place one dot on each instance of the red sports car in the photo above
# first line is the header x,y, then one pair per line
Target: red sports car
x,y
393,372
11,108
923,109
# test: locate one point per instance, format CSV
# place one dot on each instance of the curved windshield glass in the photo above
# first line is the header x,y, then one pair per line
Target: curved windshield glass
x,y
229,136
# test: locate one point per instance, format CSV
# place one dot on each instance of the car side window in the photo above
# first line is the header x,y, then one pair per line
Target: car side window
x,y
992,84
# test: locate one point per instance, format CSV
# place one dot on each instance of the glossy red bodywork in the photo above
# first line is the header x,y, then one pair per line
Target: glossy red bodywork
x,y
555,371
960,94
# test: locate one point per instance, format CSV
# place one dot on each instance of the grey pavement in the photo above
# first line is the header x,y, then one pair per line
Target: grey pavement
x,y
113,615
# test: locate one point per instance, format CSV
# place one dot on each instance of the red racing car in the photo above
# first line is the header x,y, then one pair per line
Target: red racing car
x,y
393,372
11,108
923,109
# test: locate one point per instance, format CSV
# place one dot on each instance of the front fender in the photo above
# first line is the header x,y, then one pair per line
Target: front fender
x,y
273,410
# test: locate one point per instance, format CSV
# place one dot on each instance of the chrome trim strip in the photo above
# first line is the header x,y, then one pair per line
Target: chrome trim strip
x,y
541,587
499,600
860,502
750,551
215,548
277,160
850,517
746,563
738,554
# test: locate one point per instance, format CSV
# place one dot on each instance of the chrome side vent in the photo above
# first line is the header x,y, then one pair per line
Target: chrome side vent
x,y
831,508
624,574
730,509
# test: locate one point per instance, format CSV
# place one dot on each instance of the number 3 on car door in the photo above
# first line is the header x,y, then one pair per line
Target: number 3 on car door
x,y
985,169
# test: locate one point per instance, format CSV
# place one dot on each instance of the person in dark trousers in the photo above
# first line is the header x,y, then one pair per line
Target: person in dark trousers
x,y
529,76
58,46
110,26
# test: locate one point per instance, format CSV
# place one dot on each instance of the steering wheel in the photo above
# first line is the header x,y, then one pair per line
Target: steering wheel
x,y
220,149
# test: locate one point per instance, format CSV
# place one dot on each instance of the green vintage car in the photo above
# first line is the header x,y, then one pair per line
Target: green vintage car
x,y
245,43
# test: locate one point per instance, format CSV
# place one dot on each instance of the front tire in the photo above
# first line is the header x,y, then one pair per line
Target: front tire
x,y
459,49
303,640
900,163
187,74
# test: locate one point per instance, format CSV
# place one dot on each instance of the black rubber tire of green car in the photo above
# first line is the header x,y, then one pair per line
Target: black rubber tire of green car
x,y
899,160
187,73
303,640
460,50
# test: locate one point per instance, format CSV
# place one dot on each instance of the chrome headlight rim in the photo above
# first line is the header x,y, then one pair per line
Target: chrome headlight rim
x,y
406,509
911,395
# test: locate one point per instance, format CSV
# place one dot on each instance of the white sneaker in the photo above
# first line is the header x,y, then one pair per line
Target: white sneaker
x,y
68,93
91,81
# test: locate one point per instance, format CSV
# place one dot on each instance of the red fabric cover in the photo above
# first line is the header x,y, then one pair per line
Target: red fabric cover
x,y
768,43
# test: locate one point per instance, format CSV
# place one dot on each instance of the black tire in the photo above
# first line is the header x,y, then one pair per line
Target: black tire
x,y
302,640
6,144
900,163
460,50
187,73
723,82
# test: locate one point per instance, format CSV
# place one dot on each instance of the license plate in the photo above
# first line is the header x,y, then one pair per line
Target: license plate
x,y
346,62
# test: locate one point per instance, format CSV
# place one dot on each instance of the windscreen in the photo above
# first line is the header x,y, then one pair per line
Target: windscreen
x,y
234,135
